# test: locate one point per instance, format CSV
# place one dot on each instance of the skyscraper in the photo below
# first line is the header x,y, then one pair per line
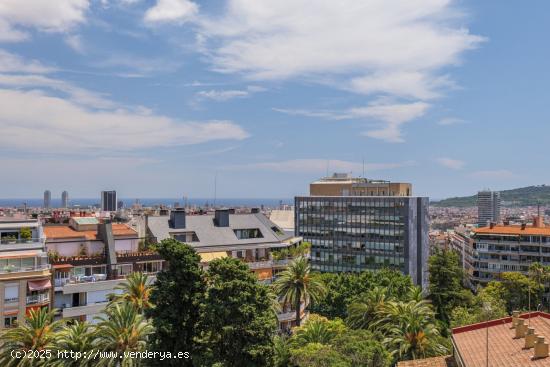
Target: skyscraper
x,y
64,199
108,201
351,230
47,199
488,207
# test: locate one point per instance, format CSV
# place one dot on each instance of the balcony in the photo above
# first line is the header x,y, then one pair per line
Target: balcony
x,y
21,244
12,269
259,264
38,298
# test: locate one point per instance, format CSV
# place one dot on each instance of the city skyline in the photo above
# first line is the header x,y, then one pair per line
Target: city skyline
x,y
162,99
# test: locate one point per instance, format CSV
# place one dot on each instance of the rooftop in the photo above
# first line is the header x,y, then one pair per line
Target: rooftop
x,y
514,230
64,232
443,361
504,349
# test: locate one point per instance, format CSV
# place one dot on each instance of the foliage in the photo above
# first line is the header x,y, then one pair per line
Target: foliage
x,y
515,289
362,349
294,251
76,337
177,295
446,283
136,291
345,288
237,322
296,284
26,233
318,355
318,329
484,306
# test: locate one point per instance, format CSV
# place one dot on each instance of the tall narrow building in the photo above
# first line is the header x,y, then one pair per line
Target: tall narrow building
x,y
356,224
488,207
47,199
108,201
64,199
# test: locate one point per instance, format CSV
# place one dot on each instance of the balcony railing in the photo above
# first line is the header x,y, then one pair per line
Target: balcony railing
x,y
12,269
10,241
38,298
260,264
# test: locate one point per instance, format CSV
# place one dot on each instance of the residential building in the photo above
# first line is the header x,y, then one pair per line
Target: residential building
x,y
504,248
109,201
89,259
343,184
47,199
24,270
284,219
488,207
64,199
250,237
360,232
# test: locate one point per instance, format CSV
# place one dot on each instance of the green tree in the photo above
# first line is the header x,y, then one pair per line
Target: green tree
x,y
237,320
368,309
363,349
136,291
122,329
281,348
318,355
296,284
446,278
77,337
36,332
318,329
540,274
176,295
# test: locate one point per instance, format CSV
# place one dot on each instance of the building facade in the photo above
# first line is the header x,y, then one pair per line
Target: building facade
x,y
356,233
24,270
47,199
64,199
343,184
109,201
488,207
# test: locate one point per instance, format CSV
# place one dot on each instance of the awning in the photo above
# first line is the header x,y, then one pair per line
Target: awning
x,y
11,313
12,254
62,266
209,256
39,285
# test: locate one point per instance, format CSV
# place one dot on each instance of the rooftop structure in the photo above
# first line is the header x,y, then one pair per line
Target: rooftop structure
x,y
443,361
343,184
518,341
284,219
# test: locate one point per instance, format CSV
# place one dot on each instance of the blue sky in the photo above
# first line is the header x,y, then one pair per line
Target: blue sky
x,y
156,98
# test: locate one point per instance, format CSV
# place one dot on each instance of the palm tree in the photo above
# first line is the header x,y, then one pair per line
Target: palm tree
x,y
36,332
540,275
411,331
363,313
318,329
123,329
296,284
136,291
77,337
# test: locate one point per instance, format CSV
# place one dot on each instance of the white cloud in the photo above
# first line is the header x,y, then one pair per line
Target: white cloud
x,y
450,163
171,11
56,125
44,15
317,166
227,94
447,121
136,66
10,63
75,42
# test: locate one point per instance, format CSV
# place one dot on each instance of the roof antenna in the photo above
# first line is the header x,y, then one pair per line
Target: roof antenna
x,y
328,163
363,166
215,187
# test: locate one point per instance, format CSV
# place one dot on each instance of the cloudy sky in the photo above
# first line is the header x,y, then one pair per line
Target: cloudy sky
x,y
155,98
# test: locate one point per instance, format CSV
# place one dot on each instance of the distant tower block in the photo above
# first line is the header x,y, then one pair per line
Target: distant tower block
x,y
47,199
64,199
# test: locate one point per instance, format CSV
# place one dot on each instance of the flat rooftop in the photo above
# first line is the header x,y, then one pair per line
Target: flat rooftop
x,y
504,350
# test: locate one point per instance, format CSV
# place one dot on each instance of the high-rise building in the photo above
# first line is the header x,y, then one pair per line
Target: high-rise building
x,y
488,207
47,199
64,199
108,201
351,232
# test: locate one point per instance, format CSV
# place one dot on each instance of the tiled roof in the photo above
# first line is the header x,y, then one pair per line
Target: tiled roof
x,y
67,233
443,361
504,349
515,230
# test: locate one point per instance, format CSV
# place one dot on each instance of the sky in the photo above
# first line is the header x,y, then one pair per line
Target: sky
x,y
163,98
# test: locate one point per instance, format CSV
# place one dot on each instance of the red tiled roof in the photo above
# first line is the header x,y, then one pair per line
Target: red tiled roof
x,y
443,361
67,233
504,349
514,230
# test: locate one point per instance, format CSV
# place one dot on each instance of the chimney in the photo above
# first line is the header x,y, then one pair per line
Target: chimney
x,y
231,210
541,348
221,218
523,225
521,329
530,338
177,218
255,210
515,318
492,225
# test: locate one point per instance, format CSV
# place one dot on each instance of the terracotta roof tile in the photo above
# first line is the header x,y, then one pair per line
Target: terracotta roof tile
x,y
443,361
66,232
513,229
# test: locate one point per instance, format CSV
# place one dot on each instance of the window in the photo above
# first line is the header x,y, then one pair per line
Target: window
x,y
124,269
10,321
243,234
150,266
186,237
11,293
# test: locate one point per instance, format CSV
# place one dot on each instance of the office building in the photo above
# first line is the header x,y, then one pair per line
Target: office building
x,y
89,260
47,199
504,248
109,201
343,184
488,207
360,232
24,270
250,237
64,199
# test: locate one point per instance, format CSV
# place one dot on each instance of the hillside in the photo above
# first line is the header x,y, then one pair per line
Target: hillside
x,y
524,196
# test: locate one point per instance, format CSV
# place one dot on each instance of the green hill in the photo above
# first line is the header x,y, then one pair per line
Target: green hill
x,y
524,196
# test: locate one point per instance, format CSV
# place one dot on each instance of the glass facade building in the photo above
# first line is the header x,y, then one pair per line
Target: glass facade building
x,y
356,233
